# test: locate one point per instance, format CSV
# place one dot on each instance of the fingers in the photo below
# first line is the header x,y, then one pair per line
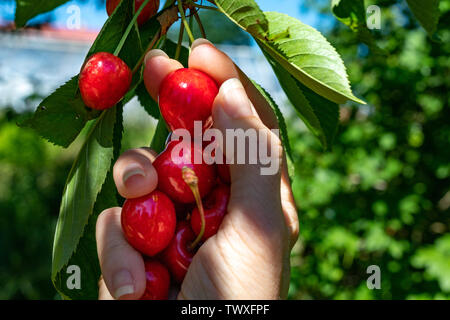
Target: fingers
x,y
255,185
289,207
103,292
122,267
224,69
221,68
134,173
157,66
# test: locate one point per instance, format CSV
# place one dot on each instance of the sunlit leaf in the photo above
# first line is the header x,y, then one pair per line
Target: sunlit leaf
x,y
246,14
83,184
320,115
308,56
28,9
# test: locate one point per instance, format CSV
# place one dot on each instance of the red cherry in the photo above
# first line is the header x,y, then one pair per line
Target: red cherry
x,y
223,170
149,222
158,281
149,10
178,256
104,80
215,208
170,171
185,96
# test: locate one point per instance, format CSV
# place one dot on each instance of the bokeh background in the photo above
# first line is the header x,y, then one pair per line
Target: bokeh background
x,y
381,196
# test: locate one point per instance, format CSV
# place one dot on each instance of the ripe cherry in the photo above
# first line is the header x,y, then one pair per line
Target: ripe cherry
x,y
178,255
185,96
149,222
215,208
104,80
169,166
158,281
149,10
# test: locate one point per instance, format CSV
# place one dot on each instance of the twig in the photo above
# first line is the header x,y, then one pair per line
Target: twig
x,y
200,25
185,22
180,41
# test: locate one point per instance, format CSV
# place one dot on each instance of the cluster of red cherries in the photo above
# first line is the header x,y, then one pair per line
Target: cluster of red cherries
x,y
171,223
168,225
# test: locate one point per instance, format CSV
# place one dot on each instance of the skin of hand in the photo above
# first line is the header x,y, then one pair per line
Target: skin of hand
x,y
248,258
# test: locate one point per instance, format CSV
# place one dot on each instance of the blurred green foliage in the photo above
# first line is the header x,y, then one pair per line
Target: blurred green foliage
x,y
32,176
380,197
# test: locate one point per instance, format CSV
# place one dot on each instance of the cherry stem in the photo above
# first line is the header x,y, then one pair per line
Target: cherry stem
x,y
180,41
130,25
191,23
149,47
185,22
191,179
200,24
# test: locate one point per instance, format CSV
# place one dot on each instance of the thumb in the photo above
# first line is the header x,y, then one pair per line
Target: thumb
x,y
253,151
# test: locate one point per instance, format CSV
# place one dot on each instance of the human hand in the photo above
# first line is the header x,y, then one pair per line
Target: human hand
x,y
248,258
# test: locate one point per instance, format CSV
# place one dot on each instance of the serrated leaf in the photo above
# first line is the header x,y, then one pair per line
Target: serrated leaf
x,y
352,13
85,255
118,131
60,117
280,118
246,14
426,12
84,183
149,30
147,101
28,9
308,56
320,115
160,136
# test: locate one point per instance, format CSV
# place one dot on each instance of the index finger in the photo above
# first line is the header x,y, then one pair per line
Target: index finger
x,y
223,69
157,66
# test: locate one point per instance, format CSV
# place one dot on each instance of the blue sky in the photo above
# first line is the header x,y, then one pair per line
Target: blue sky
x,y
93,16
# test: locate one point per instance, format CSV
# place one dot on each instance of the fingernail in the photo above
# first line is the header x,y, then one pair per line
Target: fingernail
x,y
235,100
155,53
199,42
132,170
123,281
